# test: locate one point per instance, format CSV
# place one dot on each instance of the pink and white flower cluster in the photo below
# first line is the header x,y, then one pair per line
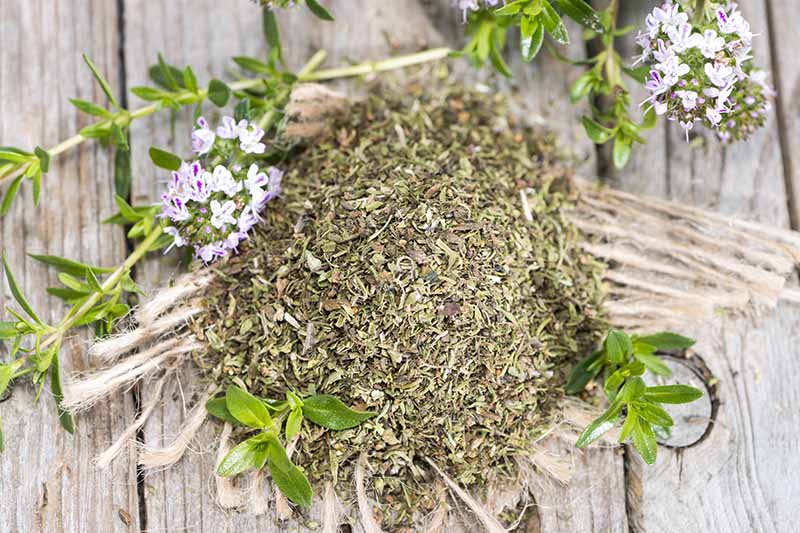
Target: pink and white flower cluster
x,y
215,201
703,72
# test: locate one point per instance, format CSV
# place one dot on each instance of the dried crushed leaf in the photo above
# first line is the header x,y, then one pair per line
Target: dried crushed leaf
x,y
399,273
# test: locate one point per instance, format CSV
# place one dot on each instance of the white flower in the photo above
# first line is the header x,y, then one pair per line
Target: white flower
x,y
230,129
202,138
255,180
233,239
688,99
687,126
247,220
673,70
682,37
177,239
663,53
651,25
714,116
211,251
224,181
734,23
249,140
222,213
719,74
710,43
670,16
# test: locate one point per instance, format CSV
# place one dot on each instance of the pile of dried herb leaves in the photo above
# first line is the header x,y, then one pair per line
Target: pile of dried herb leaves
x,y
399,273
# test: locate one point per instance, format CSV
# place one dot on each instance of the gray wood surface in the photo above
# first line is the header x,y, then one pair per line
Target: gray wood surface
x,y
739,477
47,482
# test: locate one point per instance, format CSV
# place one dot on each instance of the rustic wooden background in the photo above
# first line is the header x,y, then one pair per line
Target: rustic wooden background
x,y
741,477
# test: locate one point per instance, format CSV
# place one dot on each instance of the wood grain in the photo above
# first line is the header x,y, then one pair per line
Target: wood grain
x,y
47,480
740,476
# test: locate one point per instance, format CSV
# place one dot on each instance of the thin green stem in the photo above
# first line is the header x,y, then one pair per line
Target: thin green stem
x,y
308,73
370,67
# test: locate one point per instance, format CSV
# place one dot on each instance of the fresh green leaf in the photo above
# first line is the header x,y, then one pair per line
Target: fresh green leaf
x,y
91,109
11,193
672,394
6,372
164,159
582,13
270,26
287,477
251,453
44,158
246,408
633,389
218,408
149,93
613,383
218,92
653,413
8,330
653,363
252,64
553,23
583,372
581,88
166,75
510,9
242,110
64,416
667,340
294,422
123,173
644,440
319,11
101,80
92,281
595,131
62,264
189,79
17,293
329,412
622,151
602,425
628,425
530,45
617,346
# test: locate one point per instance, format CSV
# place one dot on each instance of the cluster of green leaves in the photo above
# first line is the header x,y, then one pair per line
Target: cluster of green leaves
x,y
622,360
272,418
488,28
603,86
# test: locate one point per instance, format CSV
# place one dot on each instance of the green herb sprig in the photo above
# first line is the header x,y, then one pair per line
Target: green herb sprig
x,y
622,360
272,418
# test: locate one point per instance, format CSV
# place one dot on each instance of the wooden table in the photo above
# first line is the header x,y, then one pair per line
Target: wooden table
x,y
741,477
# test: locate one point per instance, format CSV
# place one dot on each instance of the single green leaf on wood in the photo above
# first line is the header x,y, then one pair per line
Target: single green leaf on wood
x,y
654,364
633,389
602,425
91,109
218,408
598,133
653,413
102,81
252,64
289,479
553,23
269,25
44,158
165,160
628,425
251,453
62,264
319,11
617,346
531,45
644,440
246,408
123,172
582,13
189,79
623,147
17,293
666,340
64,416
11,193
166,75
672,394
218,92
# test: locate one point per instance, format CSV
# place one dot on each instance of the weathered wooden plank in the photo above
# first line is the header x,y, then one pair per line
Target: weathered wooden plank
x,y
739,477
47,480
784,34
